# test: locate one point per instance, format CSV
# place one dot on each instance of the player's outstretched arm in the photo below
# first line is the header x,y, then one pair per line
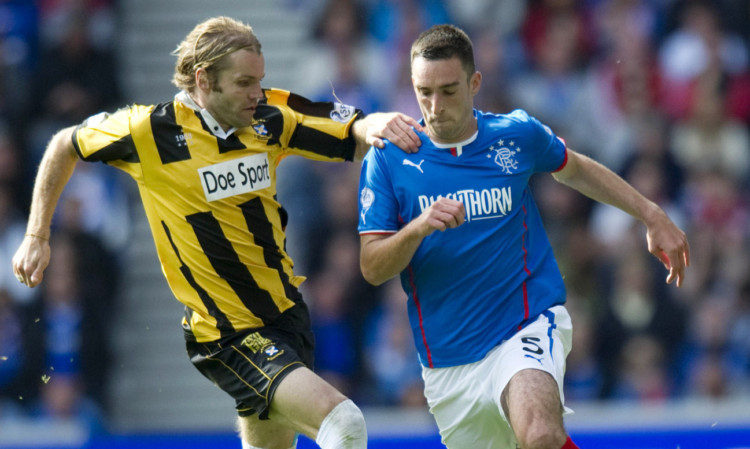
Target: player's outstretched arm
x,y
383,256
394,126
665,240
57,165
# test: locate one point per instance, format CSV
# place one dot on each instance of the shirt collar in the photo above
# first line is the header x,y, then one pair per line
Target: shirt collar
x,y
216,129
457,148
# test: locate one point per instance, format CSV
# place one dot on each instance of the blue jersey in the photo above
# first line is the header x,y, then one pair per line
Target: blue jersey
x,y
473,286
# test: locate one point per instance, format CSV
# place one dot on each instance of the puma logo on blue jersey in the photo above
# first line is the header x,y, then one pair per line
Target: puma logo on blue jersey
x,y
412,164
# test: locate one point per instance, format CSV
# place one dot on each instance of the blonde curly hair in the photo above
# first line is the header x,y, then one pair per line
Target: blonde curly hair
x,y
207,45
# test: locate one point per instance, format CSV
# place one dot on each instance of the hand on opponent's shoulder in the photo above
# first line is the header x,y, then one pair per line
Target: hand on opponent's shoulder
x,y
398,128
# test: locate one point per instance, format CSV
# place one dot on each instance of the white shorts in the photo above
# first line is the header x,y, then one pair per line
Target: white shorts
x,y
465,399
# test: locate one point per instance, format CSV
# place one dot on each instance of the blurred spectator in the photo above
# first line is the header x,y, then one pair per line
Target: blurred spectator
x,y
652,170
346,62
556,41
651,144
306,216
644,376
561,207
493,58
340,192
97,201
345,65
708,377
74,80
11,168
335,347
623,86
546,19
699,44
708,138
77,76
12,229
62,399
704,361
584,378
739,340
335,191
720,217
13,352
71,329
390,355
56,16
612,20
636,305
401,96
395,24
505,17
580,260
19,31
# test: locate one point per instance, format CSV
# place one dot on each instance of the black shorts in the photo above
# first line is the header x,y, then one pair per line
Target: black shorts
x,y
250,364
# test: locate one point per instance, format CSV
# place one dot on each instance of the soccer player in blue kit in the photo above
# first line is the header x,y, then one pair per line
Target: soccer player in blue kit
x,y
486,297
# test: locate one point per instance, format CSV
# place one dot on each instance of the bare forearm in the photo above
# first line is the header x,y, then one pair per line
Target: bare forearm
x,y
54,172
665,240
58,163
384,257
603,185
359,133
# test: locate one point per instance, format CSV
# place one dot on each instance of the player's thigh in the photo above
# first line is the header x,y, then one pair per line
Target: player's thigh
x,y
529,372
479,427
532,393
541,347
303,400
266,433
461,400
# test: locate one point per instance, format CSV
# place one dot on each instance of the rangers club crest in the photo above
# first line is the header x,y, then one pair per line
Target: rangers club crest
x,y
504,156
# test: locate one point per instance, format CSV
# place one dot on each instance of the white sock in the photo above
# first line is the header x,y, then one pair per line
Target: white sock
x,y
343,428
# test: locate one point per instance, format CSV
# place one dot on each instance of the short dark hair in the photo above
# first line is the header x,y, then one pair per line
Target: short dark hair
x,y
445,42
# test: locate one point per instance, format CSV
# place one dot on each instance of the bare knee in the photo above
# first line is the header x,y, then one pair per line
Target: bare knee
x,y
537,428
540,435
264,434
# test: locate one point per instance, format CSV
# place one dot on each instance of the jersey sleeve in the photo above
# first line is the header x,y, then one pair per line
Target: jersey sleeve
x,y
378,205
316,130
550,151
106,137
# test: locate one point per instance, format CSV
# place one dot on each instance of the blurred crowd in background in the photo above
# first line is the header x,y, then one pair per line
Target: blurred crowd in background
x,y
657,90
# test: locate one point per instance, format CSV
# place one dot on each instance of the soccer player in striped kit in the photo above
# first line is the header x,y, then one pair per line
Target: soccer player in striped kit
x,y
486,297
205,164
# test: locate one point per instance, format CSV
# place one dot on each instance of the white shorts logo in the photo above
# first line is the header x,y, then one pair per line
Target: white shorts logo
x,y
235,177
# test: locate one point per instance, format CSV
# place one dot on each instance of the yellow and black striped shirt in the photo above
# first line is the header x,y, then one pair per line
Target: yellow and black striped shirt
x,y
211,201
